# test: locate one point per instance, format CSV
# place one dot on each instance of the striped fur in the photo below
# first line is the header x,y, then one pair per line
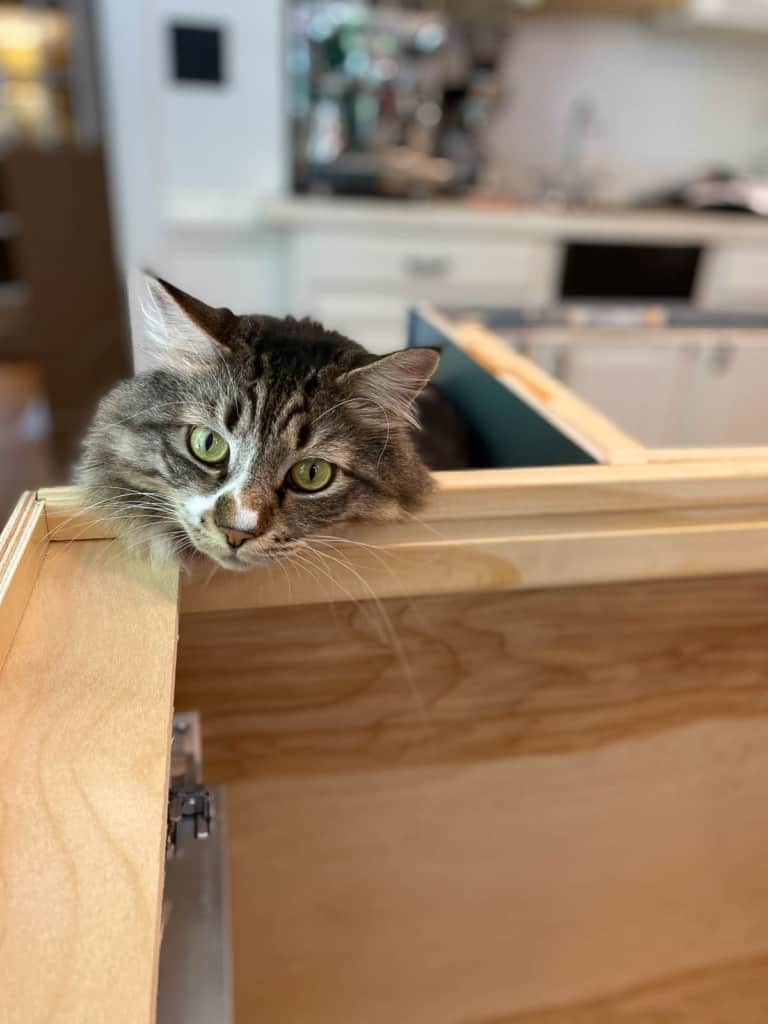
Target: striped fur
x,y
278,390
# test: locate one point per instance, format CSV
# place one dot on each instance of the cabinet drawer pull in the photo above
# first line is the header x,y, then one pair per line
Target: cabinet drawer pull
x,y
427,266
720,357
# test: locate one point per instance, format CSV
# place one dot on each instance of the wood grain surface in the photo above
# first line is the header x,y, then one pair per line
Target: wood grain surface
x,y
486,892
546,558
471,676
85,712
555,814
719,993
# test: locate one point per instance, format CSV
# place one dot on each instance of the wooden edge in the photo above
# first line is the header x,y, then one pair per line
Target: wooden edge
x,y
23,544
738,453
517,562
489,530
596,489
85,731
476,496
67,519
597,434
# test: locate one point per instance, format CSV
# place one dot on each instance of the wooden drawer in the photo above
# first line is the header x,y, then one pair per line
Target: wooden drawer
x,y
536,712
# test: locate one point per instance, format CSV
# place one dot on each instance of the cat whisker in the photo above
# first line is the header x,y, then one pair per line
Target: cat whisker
x,y
378,551
86,510
78,514
394,639
426,525
176,403
386,443
339,405
335,543
288,579
302,562
144,522
347,593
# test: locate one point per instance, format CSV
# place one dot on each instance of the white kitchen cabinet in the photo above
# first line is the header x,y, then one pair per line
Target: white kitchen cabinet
x,y
726,402
728,15
734,275
700,390
640,387
364,285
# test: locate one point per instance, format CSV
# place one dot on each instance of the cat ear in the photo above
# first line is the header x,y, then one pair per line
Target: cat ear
x,y
392,383
181,329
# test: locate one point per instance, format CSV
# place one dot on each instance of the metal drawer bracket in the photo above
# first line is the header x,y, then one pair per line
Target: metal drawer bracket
x,y
190,804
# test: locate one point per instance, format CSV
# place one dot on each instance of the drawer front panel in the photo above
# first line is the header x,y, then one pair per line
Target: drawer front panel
x,y
417,265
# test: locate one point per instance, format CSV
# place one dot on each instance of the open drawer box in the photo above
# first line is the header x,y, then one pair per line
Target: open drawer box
x,y
509,767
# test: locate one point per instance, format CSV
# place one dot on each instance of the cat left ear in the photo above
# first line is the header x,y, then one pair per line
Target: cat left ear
x,y
181,328
392,383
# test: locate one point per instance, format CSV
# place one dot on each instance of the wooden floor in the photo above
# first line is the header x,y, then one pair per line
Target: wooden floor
x,y
555,815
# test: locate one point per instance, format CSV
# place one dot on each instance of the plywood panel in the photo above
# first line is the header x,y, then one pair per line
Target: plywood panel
x,y
543,558
85,706
731,991
453,679
486,892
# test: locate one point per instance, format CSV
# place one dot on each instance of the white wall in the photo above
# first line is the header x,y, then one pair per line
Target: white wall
x,y
230,138
667,103
175,146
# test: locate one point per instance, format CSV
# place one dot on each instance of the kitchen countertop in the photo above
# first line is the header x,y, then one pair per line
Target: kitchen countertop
x,y
201,212
528,221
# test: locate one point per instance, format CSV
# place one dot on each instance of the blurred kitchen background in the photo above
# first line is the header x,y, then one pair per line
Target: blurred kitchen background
x,y
347,160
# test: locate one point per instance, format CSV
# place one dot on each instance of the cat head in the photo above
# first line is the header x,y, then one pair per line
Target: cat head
x,y
251,434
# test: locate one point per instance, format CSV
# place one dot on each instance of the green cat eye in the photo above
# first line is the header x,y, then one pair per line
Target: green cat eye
x,y
208,446
311,474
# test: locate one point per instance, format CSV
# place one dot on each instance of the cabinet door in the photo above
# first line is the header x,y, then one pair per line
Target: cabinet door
x,y
642,388
727,403
734,277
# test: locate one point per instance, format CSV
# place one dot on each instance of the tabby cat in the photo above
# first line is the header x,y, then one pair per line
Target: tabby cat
x,y
251,434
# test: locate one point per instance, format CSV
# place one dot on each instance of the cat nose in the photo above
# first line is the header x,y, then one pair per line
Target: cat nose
x,y
236,538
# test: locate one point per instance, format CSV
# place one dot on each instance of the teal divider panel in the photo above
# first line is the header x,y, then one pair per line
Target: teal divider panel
x,y
512,432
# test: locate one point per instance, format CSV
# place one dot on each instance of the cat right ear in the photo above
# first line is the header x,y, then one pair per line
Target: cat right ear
x,y
391,383
180,329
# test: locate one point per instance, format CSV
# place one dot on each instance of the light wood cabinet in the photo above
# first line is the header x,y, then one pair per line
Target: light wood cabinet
x,y
537,714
